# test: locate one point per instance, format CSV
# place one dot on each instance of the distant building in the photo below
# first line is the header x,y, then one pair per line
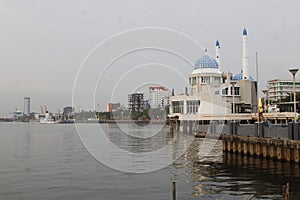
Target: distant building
x,y
17,115
136,102
27,106
113,106
146,104
279,89
68,110
158,96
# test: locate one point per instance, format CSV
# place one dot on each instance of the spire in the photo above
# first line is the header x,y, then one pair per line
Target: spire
x,y
245,32
218,52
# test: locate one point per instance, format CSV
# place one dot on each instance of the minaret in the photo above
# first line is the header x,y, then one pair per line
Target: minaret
x,y
245,55
218,52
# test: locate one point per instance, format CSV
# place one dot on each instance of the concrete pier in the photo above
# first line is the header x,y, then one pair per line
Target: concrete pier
x,y
279,142
284,150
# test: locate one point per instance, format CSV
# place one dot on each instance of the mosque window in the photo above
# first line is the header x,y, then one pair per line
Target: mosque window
x,y
237,91
205,79
225,91
193,80
217,79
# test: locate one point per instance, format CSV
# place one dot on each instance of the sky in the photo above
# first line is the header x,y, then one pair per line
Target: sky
x,y
57,52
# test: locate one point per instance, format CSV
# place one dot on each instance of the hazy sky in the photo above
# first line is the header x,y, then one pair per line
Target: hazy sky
x,y
43,44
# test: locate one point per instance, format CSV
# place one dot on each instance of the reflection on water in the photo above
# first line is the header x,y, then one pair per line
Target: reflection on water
x,y
224,176
133,138
49,162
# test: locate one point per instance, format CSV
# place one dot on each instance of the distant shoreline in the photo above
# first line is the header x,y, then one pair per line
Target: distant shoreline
x,y
6,119
98,121
131,121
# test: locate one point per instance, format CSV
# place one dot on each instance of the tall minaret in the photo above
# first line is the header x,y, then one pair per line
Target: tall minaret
x,y
245,55
218,52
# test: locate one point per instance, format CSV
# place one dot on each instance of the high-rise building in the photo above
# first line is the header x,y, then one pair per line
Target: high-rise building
x,y
27,106
279,89
136,102
158,96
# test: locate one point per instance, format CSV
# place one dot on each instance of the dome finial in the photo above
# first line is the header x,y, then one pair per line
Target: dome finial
x,y
245,32
205,51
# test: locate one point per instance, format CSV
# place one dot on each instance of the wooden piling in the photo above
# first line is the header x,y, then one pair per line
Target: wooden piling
x,y
258,144
283,150
285,191
240,143
173,190
245,148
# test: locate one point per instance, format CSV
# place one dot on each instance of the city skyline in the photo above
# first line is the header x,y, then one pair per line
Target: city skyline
x,y
44,43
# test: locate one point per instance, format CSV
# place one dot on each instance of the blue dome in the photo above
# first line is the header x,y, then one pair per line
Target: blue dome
x,y
206,62
217,43
245,32
239,76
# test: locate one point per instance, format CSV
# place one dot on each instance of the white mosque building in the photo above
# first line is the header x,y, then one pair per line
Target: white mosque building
x,y
214,93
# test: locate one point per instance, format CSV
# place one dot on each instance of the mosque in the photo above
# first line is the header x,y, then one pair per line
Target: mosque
x,y
216,93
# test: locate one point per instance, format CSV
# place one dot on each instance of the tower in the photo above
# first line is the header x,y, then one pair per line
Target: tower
x,y
218,52
245,61
27,106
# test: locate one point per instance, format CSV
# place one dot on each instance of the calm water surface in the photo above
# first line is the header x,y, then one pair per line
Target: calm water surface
x,y
49,162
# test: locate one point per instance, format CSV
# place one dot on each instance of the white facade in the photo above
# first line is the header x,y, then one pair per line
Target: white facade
x,y
27,106
213,93
158,96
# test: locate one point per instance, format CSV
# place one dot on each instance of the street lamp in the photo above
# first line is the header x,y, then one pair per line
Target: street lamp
x,y
294,72
233,106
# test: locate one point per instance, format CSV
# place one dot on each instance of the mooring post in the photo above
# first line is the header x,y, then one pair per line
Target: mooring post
x,y
285,191
173,190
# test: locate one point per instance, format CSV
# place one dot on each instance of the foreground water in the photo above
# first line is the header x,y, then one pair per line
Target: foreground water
x,y
50,162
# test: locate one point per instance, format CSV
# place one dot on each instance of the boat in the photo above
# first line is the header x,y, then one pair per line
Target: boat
x,y
66,121
47,119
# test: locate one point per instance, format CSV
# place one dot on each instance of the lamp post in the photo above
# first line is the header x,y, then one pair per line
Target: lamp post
x,y
268,90
294,72
233,106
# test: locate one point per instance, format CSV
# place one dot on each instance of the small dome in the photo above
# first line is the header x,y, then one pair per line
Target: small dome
x,y
239,77
206,62
245,32
217,43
